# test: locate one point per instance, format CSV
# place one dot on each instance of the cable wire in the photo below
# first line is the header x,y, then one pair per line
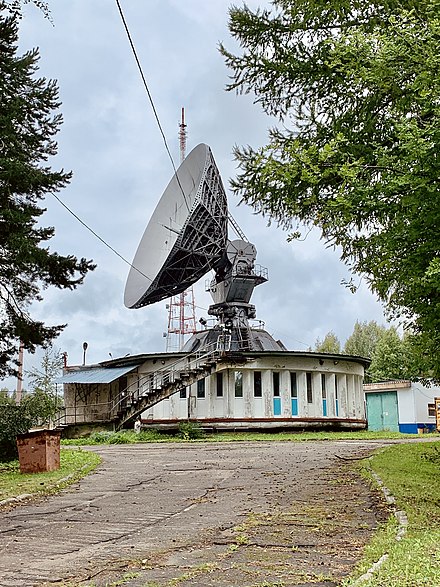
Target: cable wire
x,y
97,236
150,98
164,140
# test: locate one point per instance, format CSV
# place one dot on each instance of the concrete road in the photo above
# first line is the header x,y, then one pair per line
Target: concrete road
x,y
205,511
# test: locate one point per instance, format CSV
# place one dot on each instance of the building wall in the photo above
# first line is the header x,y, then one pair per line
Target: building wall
x,y
422,397
412,403
304,387
264,388
89,403
414,413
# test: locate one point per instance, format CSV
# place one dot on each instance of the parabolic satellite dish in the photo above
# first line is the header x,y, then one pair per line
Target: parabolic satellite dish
x,y
186,235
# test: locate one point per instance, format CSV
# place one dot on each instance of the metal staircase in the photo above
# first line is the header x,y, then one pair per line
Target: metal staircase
x,y
161,384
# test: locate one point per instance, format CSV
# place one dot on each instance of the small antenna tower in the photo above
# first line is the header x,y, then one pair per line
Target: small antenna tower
x,y
181,309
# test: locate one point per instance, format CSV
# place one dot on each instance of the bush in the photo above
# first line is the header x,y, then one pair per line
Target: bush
x,y
190,430
13,420
35,409
101,437
120,438
150,436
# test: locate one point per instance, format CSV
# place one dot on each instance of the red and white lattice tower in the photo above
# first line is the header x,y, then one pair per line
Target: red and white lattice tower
x,y
181,308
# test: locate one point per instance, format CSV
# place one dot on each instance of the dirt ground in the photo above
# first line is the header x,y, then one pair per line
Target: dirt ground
x,y
273,514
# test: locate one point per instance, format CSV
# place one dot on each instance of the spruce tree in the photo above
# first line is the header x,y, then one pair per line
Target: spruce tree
x,y
355,88
28,124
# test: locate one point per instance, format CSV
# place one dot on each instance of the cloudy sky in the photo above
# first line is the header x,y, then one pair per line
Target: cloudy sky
x,y
111,142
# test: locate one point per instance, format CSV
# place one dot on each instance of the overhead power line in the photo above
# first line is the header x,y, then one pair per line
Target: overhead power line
x,y
164,140
150,97
97,235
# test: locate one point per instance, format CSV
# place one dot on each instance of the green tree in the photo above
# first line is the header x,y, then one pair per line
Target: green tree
x,y
34,410
38,406
4,393
389,359
14,7
362,341
356,86
27,128
44,398
51,367
330,344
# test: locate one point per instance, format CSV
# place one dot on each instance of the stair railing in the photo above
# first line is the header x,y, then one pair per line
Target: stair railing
x,y
166,376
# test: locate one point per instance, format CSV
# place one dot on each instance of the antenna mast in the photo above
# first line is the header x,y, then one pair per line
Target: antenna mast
x,y
181,309
182,136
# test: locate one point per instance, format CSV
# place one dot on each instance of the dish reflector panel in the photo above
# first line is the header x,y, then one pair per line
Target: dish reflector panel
x,y
186,235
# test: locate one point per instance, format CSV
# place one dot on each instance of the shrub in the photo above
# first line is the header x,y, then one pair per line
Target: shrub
x,y
190,430
35,409
150,436
120,438
101,437
13,420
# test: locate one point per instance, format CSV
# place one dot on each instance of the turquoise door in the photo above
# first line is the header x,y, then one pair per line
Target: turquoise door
x,y
277,406
294,406
382,411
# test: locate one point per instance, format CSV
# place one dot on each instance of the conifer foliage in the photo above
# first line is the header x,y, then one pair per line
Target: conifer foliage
x,y
355,86
28,124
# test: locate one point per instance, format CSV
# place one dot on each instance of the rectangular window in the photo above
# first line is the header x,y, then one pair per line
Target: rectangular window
x,y
201,388
258,391
431,410
309,388
276,384
293,385
238,384
183,393
219,384
323,386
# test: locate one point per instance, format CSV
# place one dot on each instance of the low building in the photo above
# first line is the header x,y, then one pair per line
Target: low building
x,y
401,406
254,389
272,390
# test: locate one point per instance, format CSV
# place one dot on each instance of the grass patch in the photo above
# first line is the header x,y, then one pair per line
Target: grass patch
x,y
120,437
411,473
189,431
74,464
304,436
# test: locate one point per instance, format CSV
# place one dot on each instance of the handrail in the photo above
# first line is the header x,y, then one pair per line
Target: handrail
x,y
166,375
256,271
147,384
69,414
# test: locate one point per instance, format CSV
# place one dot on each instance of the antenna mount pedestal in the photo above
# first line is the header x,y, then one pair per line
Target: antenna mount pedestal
x,y
232,288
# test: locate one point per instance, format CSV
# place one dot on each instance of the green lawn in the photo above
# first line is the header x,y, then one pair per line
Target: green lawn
x,y
74,464
412,473
193,432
